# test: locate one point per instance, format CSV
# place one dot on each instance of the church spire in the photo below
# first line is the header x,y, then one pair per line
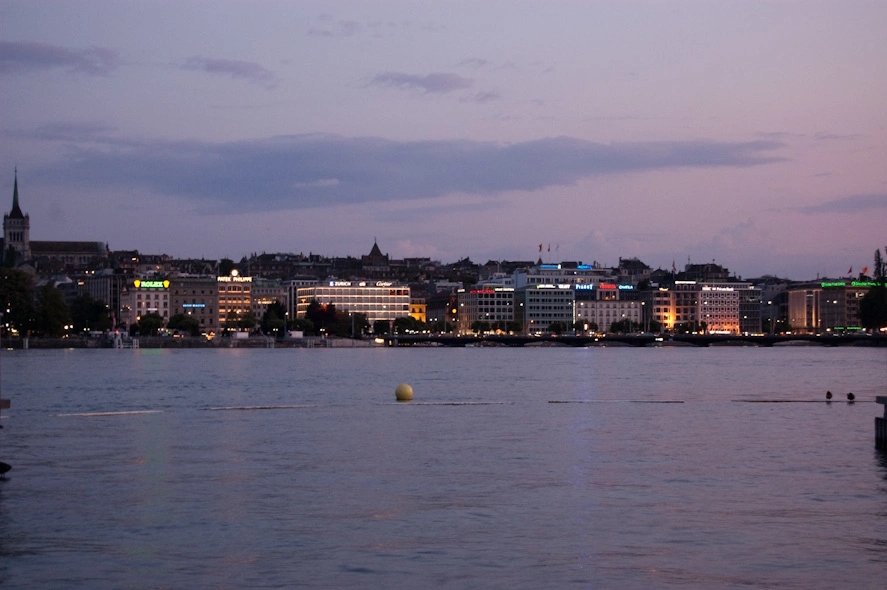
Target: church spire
x,y
16,212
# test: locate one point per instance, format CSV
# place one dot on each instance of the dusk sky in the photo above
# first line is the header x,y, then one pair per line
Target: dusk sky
x,y
749,132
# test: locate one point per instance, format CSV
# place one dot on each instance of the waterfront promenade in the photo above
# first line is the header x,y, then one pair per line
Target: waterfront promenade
x,y
639,340
636,340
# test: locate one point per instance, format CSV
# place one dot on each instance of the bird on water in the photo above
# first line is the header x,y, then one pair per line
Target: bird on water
x,y
850,397
828,395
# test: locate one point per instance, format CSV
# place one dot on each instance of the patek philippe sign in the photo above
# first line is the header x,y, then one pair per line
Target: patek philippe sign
x,y
235,279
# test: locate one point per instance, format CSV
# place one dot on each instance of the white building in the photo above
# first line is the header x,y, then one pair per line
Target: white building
x,y
537,307
140,297
490,304
561,274
604,304
377,300
724,308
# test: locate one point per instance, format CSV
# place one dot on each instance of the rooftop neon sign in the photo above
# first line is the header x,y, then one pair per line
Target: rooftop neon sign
x,y
138,284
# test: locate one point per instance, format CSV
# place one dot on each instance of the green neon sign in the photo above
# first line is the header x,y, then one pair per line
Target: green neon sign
x,y
138,284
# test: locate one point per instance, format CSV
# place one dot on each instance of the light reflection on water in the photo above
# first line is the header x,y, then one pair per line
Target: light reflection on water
x,y
351,490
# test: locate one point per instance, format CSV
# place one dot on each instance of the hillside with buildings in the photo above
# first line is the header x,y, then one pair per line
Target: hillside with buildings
x,y
376,293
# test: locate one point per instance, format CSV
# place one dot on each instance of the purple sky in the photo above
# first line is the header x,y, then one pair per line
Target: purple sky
x,y
749,132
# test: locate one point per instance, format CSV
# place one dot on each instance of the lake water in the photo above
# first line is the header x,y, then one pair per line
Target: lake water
x,y
480,482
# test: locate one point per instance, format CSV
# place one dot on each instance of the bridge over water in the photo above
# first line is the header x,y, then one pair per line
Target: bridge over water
x,y
636,340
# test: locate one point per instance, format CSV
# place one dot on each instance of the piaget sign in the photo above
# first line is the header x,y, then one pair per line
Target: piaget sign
x,y
150,284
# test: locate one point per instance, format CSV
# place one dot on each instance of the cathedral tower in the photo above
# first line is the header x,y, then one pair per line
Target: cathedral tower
x,y
17,229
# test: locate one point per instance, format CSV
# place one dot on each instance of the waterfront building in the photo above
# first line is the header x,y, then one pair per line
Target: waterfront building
x,y
264,293
140,297
417,308
196,296
490,304
442,307
235,300
724,307
107,285
564,273
826,306
292,287
377,300
607,303
537,307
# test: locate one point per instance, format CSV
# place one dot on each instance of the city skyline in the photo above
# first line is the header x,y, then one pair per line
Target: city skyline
x,y
751,133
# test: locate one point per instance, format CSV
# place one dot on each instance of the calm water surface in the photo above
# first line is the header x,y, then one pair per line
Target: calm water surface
x,y
480,482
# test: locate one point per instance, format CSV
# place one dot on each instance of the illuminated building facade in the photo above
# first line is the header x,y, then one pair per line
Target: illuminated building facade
x,y
826,306
292,287
561,274
418,308
485,304
724,308
197,297
264,293
538,307
141,297
377,300
605,304
235,300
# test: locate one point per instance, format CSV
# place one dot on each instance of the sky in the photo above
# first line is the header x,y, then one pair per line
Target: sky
x,y
748,132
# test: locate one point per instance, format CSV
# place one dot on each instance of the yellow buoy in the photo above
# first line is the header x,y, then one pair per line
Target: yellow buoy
x,y
403,392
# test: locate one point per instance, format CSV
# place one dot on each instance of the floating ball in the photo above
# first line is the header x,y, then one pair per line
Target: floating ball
x,y
403,392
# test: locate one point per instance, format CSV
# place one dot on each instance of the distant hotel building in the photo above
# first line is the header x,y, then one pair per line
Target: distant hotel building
x,y
604,304
565,273
235,299
487,303
377,300
197,297
826,306
725,308
537,307
141,297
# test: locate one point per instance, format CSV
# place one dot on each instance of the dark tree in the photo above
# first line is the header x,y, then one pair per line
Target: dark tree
x,y
323,316
90,314
873,307
51,312
349,324
274,319
408,324
184,323
247,320
880,269
17,300
557,327
148,325
480,326
442,327
304,325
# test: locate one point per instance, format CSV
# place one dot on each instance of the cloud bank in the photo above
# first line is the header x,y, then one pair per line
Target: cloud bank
x,y
436,83
298,171
24,56
243,70
851,204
